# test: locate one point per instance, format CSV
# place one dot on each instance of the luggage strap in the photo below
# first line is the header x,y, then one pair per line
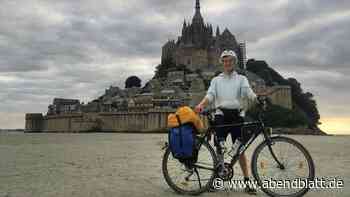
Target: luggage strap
x,y
180,130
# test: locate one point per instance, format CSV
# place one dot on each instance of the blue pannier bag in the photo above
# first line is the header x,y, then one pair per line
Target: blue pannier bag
x,y
182,141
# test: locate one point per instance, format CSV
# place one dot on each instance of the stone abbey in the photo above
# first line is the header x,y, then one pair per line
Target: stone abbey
x,y
199,48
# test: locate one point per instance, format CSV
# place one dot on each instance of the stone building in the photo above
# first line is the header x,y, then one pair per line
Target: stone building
x,y
199,48
61,106
34,122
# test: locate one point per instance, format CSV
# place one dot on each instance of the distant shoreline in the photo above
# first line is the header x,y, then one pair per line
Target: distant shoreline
x,y
164,131
12,130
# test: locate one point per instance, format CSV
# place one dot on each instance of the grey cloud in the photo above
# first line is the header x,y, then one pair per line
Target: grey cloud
x,y
321,48
77,39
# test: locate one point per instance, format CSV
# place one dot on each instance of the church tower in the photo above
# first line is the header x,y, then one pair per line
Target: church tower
x,y
197,18
199,47
198,27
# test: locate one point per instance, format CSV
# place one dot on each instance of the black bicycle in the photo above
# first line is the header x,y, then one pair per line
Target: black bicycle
x,y
276,158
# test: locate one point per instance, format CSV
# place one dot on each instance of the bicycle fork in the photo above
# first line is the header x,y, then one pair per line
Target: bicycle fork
x,y
280,165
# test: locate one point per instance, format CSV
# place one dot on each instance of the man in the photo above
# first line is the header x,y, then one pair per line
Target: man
x,y
226,92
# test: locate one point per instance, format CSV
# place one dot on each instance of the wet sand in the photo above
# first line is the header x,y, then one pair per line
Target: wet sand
x,y
111,164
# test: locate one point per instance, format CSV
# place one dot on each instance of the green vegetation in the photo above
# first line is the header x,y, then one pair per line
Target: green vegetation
x,y
277,116
132,81
169,65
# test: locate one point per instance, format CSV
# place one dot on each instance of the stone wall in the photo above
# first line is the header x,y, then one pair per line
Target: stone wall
x,y
79,122
192,58
152,121
282,97
34,122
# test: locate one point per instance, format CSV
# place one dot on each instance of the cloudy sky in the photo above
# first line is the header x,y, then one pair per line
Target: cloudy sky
x,y
76,49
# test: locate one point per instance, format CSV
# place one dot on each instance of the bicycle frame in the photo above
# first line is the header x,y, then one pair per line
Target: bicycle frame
x,y
260,129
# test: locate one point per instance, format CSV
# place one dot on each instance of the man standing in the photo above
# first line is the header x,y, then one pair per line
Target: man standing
x,y
226,92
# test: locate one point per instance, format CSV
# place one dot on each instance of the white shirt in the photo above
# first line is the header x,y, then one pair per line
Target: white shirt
x,y
228,90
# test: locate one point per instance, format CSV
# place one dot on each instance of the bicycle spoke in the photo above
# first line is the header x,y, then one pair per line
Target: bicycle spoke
x,y
295,162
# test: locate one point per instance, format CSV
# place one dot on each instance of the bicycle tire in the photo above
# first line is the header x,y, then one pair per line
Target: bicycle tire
x,y
254,164
178,189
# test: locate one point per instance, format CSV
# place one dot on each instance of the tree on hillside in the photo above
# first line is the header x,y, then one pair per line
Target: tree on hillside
x,y
132,81
305,102
162,69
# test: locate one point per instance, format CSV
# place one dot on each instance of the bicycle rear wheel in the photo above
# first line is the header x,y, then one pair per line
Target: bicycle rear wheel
x,y
192,181
276,180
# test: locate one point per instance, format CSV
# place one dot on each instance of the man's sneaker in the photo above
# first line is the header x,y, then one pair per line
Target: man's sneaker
x,y
248,189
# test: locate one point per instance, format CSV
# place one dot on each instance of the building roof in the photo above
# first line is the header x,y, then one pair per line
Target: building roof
x,y
63,101
197,18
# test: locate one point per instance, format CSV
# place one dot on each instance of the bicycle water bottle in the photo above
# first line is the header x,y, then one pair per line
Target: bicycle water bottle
x,y
236,146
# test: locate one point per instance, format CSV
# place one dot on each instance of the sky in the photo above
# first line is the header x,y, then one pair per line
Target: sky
x,y
77,49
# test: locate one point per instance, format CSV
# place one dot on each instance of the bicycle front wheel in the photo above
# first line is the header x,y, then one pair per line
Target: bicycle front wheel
x,y
288,179
193,180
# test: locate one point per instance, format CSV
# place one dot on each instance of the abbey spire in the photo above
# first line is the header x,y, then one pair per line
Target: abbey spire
x,y
197,18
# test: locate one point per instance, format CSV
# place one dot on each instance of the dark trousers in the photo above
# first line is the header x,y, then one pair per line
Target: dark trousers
x,y
229,117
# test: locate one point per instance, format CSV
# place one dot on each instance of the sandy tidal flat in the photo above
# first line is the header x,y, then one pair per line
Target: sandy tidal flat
x,y
108,164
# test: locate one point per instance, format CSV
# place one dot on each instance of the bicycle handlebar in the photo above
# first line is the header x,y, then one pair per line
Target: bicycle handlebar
x,y
262,103
207,112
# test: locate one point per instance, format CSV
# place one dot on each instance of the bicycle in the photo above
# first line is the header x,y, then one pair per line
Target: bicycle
x,y
267,160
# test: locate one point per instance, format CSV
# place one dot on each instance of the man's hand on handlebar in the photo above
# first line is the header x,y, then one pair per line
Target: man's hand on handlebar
x,y
207,111
262,101
199,108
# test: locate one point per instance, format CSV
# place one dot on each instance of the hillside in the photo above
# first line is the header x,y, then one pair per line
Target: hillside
x,y
302,101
